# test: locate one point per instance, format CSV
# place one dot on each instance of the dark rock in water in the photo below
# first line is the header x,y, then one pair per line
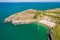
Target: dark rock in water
x,y
49,34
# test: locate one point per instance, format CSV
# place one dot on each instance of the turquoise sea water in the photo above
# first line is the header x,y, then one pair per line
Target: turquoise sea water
x,y
31,31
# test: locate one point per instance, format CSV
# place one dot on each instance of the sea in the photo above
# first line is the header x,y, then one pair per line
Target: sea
x,y
32,31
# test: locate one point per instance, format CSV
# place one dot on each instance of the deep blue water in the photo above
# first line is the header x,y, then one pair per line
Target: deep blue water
x,y
27,31
10,8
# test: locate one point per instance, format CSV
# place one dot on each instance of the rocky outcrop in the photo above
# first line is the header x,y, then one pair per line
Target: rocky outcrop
x,y
31,15
23,17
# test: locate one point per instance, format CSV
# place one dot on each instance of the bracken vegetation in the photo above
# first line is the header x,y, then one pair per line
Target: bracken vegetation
x,y
56,29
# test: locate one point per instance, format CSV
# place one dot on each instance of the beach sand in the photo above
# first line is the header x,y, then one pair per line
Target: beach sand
x,y
51,24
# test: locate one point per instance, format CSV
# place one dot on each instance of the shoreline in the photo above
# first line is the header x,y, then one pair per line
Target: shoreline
x,y
48,23
32,15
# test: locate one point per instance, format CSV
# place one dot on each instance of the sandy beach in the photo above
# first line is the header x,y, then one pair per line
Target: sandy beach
x,y
51,24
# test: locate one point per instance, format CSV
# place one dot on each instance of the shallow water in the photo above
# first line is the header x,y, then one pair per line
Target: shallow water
x,y
31,31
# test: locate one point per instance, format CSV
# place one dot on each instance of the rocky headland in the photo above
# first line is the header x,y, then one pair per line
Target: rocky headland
x,y
30,15
23,17
50,17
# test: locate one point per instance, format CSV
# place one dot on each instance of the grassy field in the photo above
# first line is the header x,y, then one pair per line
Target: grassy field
x,y
56,32
56,29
